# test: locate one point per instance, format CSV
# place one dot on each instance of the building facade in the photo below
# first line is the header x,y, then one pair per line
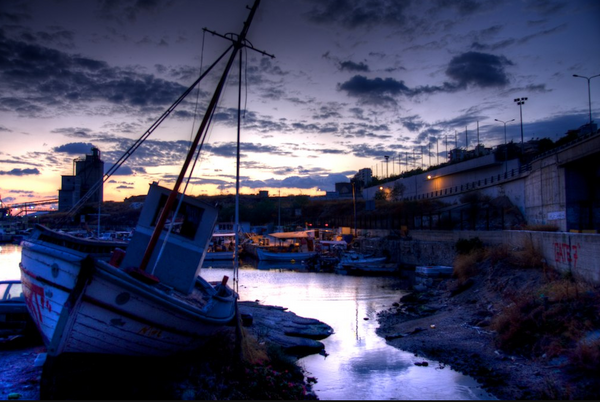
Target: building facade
x,y
86,173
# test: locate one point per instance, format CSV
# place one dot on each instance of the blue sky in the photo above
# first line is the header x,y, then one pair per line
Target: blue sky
x,y
351,82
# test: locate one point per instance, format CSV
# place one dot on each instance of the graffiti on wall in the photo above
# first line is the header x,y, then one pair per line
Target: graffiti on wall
x,y
565,253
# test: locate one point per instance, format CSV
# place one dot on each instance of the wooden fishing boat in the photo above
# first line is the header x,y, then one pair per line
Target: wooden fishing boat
x,y
293,246
144,297
84,298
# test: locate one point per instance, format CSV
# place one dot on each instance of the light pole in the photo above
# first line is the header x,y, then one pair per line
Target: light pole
x,y
505,147
589,93
521,102
387,172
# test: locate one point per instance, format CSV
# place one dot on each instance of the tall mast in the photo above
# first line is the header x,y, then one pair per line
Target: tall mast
x,y
237,45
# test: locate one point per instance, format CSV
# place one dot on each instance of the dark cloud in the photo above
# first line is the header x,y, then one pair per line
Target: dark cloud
x,y
478,69
44,77
325,182
464,7
229,149
117,9
75,132
468,69
361,130
358,113
328,112
352,66
74,148
546,7
505,43
359,13
123,170
20,172
376,90
412,123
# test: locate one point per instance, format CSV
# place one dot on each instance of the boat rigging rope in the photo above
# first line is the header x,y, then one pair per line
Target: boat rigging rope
x,y
139,141
199,148
237,181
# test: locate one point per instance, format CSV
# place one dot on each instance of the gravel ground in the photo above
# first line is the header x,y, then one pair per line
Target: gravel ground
x,y
450,323
19,376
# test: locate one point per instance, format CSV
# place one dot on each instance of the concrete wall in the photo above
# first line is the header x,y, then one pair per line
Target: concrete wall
x,y
545,193
577,253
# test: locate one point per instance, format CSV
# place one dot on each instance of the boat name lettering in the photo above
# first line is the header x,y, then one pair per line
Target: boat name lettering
x,y
37,302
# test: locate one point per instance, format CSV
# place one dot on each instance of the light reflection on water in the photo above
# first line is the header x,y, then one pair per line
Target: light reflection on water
x,y
360,365
10,256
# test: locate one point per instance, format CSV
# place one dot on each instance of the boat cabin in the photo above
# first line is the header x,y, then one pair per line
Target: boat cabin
x,y
181,259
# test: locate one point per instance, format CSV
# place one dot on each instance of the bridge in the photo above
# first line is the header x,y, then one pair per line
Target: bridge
x,y
25,207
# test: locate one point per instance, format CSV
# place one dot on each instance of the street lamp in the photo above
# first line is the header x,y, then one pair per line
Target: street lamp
x,y
589,93
521,102
387,159
505,147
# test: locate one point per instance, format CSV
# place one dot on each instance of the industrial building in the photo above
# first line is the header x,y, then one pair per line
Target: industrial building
x,y
86,173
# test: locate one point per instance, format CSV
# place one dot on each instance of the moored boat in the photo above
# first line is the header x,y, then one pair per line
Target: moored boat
x,y
223,244
222,247
434,271
271,255
84,298
354,263
143,297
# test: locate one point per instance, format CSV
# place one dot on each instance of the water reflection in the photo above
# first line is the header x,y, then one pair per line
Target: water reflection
x,y
359,365
10,256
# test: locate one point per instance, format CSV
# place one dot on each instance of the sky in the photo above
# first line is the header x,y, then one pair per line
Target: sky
x,y
351,82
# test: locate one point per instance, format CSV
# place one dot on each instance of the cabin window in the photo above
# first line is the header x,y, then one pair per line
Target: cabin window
x,y
186,222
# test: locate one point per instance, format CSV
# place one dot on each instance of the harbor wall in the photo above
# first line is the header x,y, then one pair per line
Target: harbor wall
x,y
575,253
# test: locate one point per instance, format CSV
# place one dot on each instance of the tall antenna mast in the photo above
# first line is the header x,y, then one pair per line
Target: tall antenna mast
x,y
238,43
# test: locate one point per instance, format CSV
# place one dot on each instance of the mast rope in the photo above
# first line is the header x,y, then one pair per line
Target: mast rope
x,y
139,141
199,148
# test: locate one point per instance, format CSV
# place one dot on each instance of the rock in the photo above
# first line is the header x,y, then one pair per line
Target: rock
x,y
39,360
247,319
409,298
296,335
461,287
394,336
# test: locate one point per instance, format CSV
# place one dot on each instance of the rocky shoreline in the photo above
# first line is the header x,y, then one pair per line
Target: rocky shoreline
x,y
273,339
451,322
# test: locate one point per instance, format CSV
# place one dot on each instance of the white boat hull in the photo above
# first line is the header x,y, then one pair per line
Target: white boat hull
x,y
84,305
265,255
349,261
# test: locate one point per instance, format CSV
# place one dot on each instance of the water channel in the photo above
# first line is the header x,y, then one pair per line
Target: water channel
x,y
359,365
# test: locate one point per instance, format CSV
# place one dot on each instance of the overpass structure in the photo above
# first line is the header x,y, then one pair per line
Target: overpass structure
x,y
563,186
560,187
